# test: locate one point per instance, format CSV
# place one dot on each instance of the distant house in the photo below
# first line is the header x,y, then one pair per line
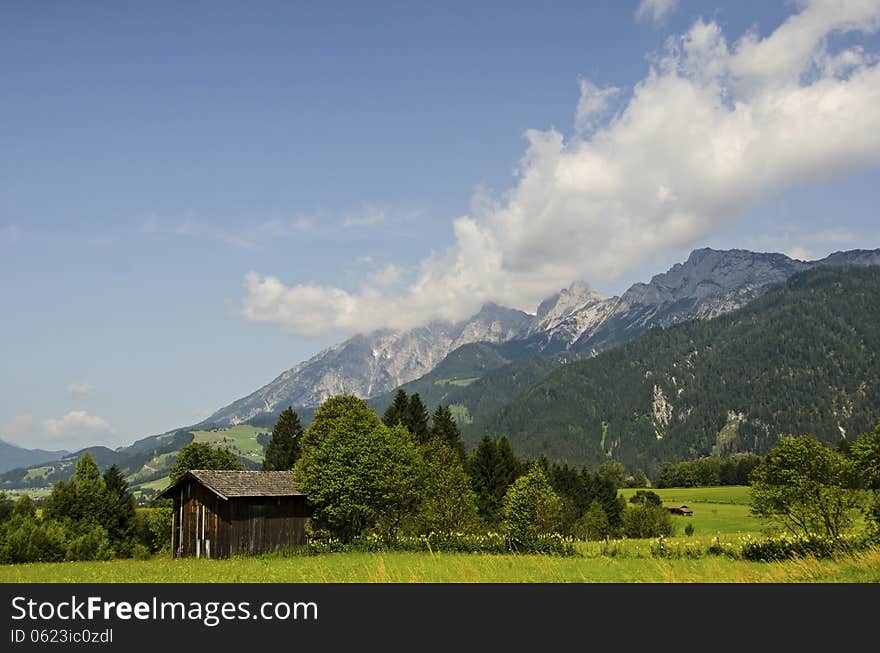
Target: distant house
x,y
220,513
681,510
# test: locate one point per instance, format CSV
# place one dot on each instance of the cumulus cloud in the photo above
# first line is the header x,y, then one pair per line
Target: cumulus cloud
x,y
73,430
715,126
655,11
592,106
80,390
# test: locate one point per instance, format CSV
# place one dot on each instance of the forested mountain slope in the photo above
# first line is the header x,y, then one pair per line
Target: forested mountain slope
x,y
804,358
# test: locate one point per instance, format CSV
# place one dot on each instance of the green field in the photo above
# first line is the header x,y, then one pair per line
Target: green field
x,y
242,440
718,511
446,567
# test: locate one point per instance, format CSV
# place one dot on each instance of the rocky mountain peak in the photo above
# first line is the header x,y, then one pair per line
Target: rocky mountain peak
x,y
567,300
710,282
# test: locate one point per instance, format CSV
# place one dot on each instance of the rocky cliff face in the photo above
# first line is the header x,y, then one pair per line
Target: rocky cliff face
x,y
709,283
370,364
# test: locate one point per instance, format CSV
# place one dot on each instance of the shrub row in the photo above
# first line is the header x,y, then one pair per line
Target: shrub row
x,y
768,549
786,547
551,545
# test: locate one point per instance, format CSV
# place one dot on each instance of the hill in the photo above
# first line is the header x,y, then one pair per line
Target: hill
x,y
12,456
147,461
804,358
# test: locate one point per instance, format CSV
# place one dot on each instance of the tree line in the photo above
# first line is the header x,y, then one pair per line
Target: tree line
x,y
408,473
92,516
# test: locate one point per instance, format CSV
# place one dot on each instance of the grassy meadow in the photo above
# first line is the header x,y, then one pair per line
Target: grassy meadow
x,y
719,512
627,567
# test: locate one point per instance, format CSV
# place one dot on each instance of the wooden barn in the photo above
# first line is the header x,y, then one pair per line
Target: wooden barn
x,y
220,513
681,510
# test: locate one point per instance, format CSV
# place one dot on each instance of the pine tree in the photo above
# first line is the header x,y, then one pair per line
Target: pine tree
x,y
445,429
120,508
415,419
493,467
508,467
481,469
284,446
395,412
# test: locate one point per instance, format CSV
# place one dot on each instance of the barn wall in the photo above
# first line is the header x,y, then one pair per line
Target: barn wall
x,y
217,528
201,535
263,524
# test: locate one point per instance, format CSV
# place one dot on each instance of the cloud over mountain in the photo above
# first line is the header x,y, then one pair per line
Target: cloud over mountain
x,y
714,127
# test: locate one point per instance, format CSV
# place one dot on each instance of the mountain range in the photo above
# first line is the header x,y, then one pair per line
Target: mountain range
x,y
487,368
576,320
804,359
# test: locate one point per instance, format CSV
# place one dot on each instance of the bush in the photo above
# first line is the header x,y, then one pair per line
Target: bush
x,y
497,543
643,521
91,545
530,509
140,552
25,540
689,530
646,497
786,547
153,528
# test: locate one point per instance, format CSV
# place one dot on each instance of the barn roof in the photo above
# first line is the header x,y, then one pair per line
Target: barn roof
x,y
227,484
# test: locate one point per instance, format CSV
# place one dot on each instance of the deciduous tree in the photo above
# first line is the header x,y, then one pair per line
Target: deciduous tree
x,y
803,485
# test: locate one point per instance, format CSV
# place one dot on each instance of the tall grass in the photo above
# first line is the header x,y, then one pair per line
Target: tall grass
x,y
632,563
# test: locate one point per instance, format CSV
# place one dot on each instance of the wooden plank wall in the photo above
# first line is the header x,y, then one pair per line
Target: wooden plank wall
x,y
263,524
216,528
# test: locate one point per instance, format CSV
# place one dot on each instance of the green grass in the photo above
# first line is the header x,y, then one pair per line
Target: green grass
x,y
447,567
38,473
241,439
718,511
736,494
159,484
461,383
461,414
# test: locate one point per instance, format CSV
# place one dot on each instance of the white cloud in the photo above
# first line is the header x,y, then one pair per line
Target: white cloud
x,y
798,252
390,275
592,106
75,429
370,215
245,235
79,390
655,11
712,129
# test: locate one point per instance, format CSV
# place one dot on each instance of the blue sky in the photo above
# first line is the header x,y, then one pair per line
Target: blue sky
x,y
153,156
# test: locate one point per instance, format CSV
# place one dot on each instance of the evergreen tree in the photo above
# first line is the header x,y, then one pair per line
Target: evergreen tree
x,y
119,510
481,469
508,467
493,467
445,429
284,446
6,507
25,508
89,491
415,418
396,411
